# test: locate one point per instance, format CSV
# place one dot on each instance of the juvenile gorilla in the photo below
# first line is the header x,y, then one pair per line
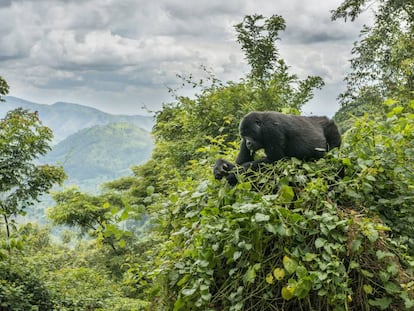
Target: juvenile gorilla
x,y
281,136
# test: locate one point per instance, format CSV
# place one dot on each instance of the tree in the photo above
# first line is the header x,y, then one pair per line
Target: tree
x,y
99,216
258,43
257,36
23,139
383,62
4,88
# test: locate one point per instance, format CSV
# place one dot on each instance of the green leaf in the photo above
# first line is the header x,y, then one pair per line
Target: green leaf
x,y
353,265
277,228
381,254
236,255
346,162
289,264
309,257
122,243
382,303
250,275
183,280
368,289
174,197
319,242
188,291
303,286
392,268
286,193
259,217
288,292
301,272
392,288
179,304
355,245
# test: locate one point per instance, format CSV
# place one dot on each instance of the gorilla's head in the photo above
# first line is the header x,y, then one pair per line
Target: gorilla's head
x,y
251,130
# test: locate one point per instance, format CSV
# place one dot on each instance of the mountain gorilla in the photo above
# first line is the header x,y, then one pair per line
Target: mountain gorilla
x,y
281,136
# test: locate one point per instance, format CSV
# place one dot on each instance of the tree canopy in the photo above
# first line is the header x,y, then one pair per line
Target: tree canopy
x,y
382,63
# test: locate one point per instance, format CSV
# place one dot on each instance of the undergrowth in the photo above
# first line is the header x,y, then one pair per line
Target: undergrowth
x,y
295,236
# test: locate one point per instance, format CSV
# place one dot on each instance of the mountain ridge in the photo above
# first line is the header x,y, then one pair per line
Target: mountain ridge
x,y
101,153
65,119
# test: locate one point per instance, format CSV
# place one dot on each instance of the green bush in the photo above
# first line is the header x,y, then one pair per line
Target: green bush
x,y
294,236
21,289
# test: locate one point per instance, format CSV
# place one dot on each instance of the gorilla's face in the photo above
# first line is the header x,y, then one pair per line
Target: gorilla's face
x,y
251,131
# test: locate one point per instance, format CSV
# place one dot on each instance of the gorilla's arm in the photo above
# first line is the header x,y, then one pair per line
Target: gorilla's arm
x,y
245,155
245,158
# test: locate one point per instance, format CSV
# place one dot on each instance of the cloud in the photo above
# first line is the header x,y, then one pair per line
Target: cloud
x,y
112,54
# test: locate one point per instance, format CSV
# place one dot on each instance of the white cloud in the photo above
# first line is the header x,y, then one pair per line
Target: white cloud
x,y
114,54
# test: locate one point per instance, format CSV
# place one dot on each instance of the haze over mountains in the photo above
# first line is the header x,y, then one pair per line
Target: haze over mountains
x,y
93,146
68,118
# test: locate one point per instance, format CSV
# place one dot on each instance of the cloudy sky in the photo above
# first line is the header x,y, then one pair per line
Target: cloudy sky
x,y
122,55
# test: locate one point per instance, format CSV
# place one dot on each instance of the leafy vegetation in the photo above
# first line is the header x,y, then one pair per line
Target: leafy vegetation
x,y
23,139
382,66
304,240
293,236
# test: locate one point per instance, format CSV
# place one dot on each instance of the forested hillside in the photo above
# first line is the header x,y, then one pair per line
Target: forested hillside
x,y
101,153
333,234
67,118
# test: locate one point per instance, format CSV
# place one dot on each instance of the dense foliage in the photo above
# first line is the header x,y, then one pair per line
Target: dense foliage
x,y
303,240
23,139
382,63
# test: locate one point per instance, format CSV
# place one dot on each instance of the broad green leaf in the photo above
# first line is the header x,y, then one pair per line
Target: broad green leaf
x,y
236,255
392,288
382,303
301,272
250,275
381,254
286,193
289,264
355,245
392,268
188,291
309,257
259,217
319,242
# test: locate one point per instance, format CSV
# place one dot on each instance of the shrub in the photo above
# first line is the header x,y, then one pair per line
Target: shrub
x,y
296,236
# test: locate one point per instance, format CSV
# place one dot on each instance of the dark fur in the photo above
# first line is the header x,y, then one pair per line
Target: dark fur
x,y
281,136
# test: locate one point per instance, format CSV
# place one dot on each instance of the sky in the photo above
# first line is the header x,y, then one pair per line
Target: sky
x,y
122,56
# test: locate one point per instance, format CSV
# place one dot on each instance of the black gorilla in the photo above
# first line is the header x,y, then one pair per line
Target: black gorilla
x,y
281,136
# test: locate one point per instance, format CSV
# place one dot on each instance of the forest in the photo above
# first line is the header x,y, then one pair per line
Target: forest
x,y
292,236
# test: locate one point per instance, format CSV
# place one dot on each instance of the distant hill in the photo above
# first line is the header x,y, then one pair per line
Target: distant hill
x,y
101,153
66,118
